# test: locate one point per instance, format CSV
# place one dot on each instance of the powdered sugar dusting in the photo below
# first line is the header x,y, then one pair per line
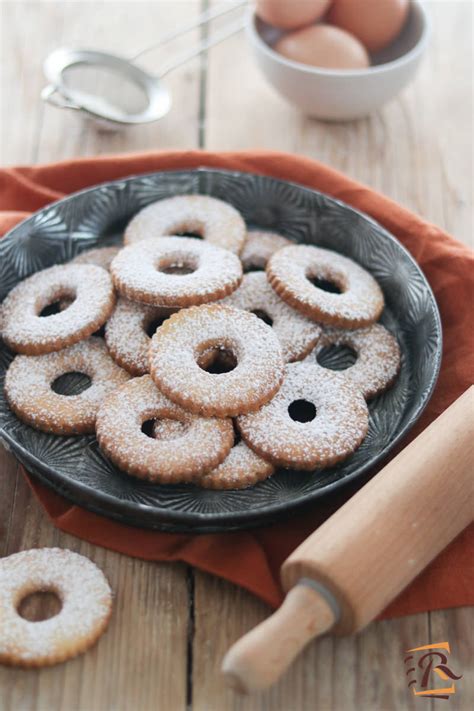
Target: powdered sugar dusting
x,y
101,257
339,427
126,336
297,333
259,247
378,356
135,270
291,268
28,387
89,286
205,442
215,220
240,469
187,334
86,606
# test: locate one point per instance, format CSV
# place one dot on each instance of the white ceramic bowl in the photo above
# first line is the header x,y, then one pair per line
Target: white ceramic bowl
x,y
341,95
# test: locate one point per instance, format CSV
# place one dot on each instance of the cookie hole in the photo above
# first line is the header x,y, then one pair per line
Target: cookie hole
x,y
154,325
55,308
325,285
237,435
178,264
71,384
194,235
254,268
263,316
217,361
177,269
336,357
302,411
39,606
100,333
147,428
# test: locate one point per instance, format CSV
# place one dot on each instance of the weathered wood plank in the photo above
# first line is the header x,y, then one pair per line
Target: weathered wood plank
x,y
141,662
409,151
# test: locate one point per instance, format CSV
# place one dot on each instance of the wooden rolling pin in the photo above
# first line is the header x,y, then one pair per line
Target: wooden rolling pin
x,y
362,557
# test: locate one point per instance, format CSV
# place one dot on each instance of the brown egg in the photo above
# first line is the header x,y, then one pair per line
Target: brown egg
x,y
324,46
375,23
290,14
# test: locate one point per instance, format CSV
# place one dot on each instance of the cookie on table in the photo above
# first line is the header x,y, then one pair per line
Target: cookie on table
x,y
86,606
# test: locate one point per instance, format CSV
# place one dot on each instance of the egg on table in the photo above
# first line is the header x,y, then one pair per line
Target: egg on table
x,y
324,46
375,23
290,14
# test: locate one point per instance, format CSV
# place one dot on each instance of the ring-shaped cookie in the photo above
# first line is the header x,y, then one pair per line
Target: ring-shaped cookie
x,y
175,272
240,469
29,393
203,444
259,247
86,601
100,256
126,333
333,425
296,333
178,345
214,220
88,286
359,303
378,356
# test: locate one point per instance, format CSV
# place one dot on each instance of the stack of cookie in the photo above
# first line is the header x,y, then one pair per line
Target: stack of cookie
x,y
208,370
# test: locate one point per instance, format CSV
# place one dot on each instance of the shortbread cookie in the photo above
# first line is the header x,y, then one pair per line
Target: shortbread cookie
x,y
204,443
85,596
297,333
187,335
29,380
214,220
292,269
88,287
175,272
259,247
332,420
127,333
240,469
377,356
101,256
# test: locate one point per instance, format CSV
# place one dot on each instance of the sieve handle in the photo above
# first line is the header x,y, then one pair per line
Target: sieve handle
x,y
203,19
52,95
203,47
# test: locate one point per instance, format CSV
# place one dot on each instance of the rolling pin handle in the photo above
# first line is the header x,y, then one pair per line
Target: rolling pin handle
x,y
256,660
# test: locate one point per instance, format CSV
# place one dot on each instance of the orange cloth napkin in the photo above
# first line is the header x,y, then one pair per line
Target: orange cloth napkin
x,y
252,558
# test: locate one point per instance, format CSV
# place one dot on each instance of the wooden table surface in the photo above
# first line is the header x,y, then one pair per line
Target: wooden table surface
x,y
172,624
